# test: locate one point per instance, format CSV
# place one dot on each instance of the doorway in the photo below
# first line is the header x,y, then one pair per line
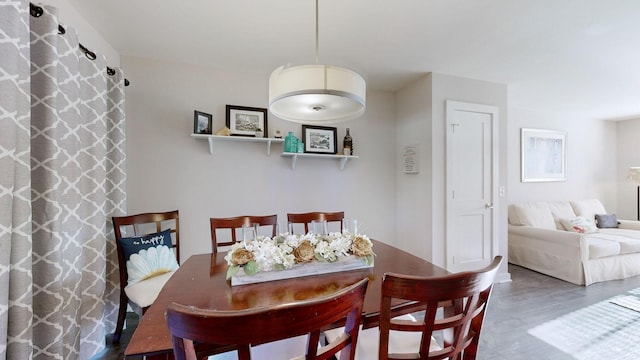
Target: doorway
x,y
471,185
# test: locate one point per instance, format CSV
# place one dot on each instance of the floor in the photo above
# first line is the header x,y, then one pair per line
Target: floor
x,y
528,300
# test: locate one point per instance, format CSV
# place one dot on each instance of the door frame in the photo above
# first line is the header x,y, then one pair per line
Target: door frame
x,y
452,106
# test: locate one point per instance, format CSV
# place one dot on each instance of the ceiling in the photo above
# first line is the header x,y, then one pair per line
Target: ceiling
x,y
575,56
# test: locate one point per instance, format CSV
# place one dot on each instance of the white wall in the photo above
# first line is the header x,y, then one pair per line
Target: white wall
x,y
87,34
591,159
414,195
168,169
628,151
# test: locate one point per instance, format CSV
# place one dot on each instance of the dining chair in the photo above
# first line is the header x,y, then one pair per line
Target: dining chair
x,y
453,309
128,230
250,327
234,223
307,218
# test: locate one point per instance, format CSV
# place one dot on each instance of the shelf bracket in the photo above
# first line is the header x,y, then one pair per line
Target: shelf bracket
x,y
294,158
210,145
343,162
268,147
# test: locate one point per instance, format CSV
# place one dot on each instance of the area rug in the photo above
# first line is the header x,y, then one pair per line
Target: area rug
x,y
604,330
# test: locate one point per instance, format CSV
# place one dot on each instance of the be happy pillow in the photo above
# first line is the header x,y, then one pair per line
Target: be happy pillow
x,y
148,256
579,224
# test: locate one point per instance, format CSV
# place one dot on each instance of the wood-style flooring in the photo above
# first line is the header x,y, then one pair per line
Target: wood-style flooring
x,y
530,299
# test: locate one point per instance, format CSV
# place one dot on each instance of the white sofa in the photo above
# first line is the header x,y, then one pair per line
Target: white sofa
x,y
538,241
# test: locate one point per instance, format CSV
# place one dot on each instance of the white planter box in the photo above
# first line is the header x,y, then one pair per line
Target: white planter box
x,y
313,268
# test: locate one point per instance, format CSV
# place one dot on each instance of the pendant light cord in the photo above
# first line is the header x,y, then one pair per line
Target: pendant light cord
x,y
317,42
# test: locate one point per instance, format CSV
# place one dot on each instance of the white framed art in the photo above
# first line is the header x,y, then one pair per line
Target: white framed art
x,y
543,155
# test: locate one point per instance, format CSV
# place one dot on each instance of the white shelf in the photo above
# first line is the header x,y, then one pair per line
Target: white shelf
x,y
294,157
214,138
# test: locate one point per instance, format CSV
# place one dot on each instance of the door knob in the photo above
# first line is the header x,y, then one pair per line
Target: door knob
x,y
488,206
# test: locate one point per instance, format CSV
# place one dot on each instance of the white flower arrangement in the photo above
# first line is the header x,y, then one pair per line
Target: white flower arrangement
x,y
285,250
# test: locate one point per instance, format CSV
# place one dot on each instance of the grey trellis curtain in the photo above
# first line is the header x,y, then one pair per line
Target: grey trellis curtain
x,y
62,176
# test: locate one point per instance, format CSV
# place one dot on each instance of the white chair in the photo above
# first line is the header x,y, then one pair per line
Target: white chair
x,y
143,293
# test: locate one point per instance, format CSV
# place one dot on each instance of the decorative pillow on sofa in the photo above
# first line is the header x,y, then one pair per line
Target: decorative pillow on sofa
x,y
148,256
579,224
606,221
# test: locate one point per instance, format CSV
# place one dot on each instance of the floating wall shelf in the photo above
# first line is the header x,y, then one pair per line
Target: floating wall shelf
x,y
294,157
214,138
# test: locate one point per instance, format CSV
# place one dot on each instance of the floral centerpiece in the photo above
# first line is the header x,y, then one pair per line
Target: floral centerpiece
x,y
287,251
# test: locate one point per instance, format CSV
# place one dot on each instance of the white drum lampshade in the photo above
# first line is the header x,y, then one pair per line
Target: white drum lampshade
x,y
317,94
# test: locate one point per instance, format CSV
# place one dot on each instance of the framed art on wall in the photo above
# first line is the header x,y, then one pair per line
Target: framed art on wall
x,y
543,155
319,139
202,122
244,121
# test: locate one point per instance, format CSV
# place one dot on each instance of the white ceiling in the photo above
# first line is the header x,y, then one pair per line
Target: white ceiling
x,y
578,56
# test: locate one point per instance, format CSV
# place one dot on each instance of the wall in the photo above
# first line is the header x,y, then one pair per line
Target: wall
x,y
87,34
591,159
168,169
414,195
628,154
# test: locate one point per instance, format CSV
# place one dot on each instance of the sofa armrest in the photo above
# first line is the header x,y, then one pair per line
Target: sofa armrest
x,y
569,238
629,224
564,244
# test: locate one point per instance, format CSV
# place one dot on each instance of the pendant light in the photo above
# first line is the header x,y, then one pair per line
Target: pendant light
x,y
317,94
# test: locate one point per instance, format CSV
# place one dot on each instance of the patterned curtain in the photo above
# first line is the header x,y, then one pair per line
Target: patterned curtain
x,y
62,175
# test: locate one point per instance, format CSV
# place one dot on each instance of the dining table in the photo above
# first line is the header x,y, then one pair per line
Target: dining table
x,y
201,282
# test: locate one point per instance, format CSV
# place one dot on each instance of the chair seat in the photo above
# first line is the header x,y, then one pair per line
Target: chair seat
x,y
144,293
281,349
399,341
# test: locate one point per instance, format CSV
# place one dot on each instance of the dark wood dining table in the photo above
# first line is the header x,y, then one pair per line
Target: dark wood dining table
x,y
201,282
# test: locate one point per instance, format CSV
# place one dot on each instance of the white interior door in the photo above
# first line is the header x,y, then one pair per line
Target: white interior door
x,y
471,175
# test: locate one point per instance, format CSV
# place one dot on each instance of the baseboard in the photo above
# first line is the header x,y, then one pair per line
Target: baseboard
x,y
503,277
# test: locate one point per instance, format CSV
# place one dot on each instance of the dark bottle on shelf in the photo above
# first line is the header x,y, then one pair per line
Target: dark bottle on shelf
x,y
348,142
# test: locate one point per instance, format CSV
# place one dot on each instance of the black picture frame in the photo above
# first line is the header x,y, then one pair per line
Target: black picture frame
x,y
244,120
320,139
202,122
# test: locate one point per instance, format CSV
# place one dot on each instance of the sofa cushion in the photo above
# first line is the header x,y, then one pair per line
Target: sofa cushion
x,y
588,208
628,233
561,210
599,247
629,240
579,224
535,214
606,221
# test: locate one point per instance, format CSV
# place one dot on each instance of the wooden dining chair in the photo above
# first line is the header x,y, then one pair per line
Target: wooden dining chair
x,y
246,328
453,309
234,223
143,293
307,218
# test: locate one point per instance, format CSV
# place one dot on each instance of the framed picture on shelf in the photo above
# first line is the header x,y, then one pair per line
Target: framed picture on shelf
x,y
244,121
202,122
319,139
544,155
